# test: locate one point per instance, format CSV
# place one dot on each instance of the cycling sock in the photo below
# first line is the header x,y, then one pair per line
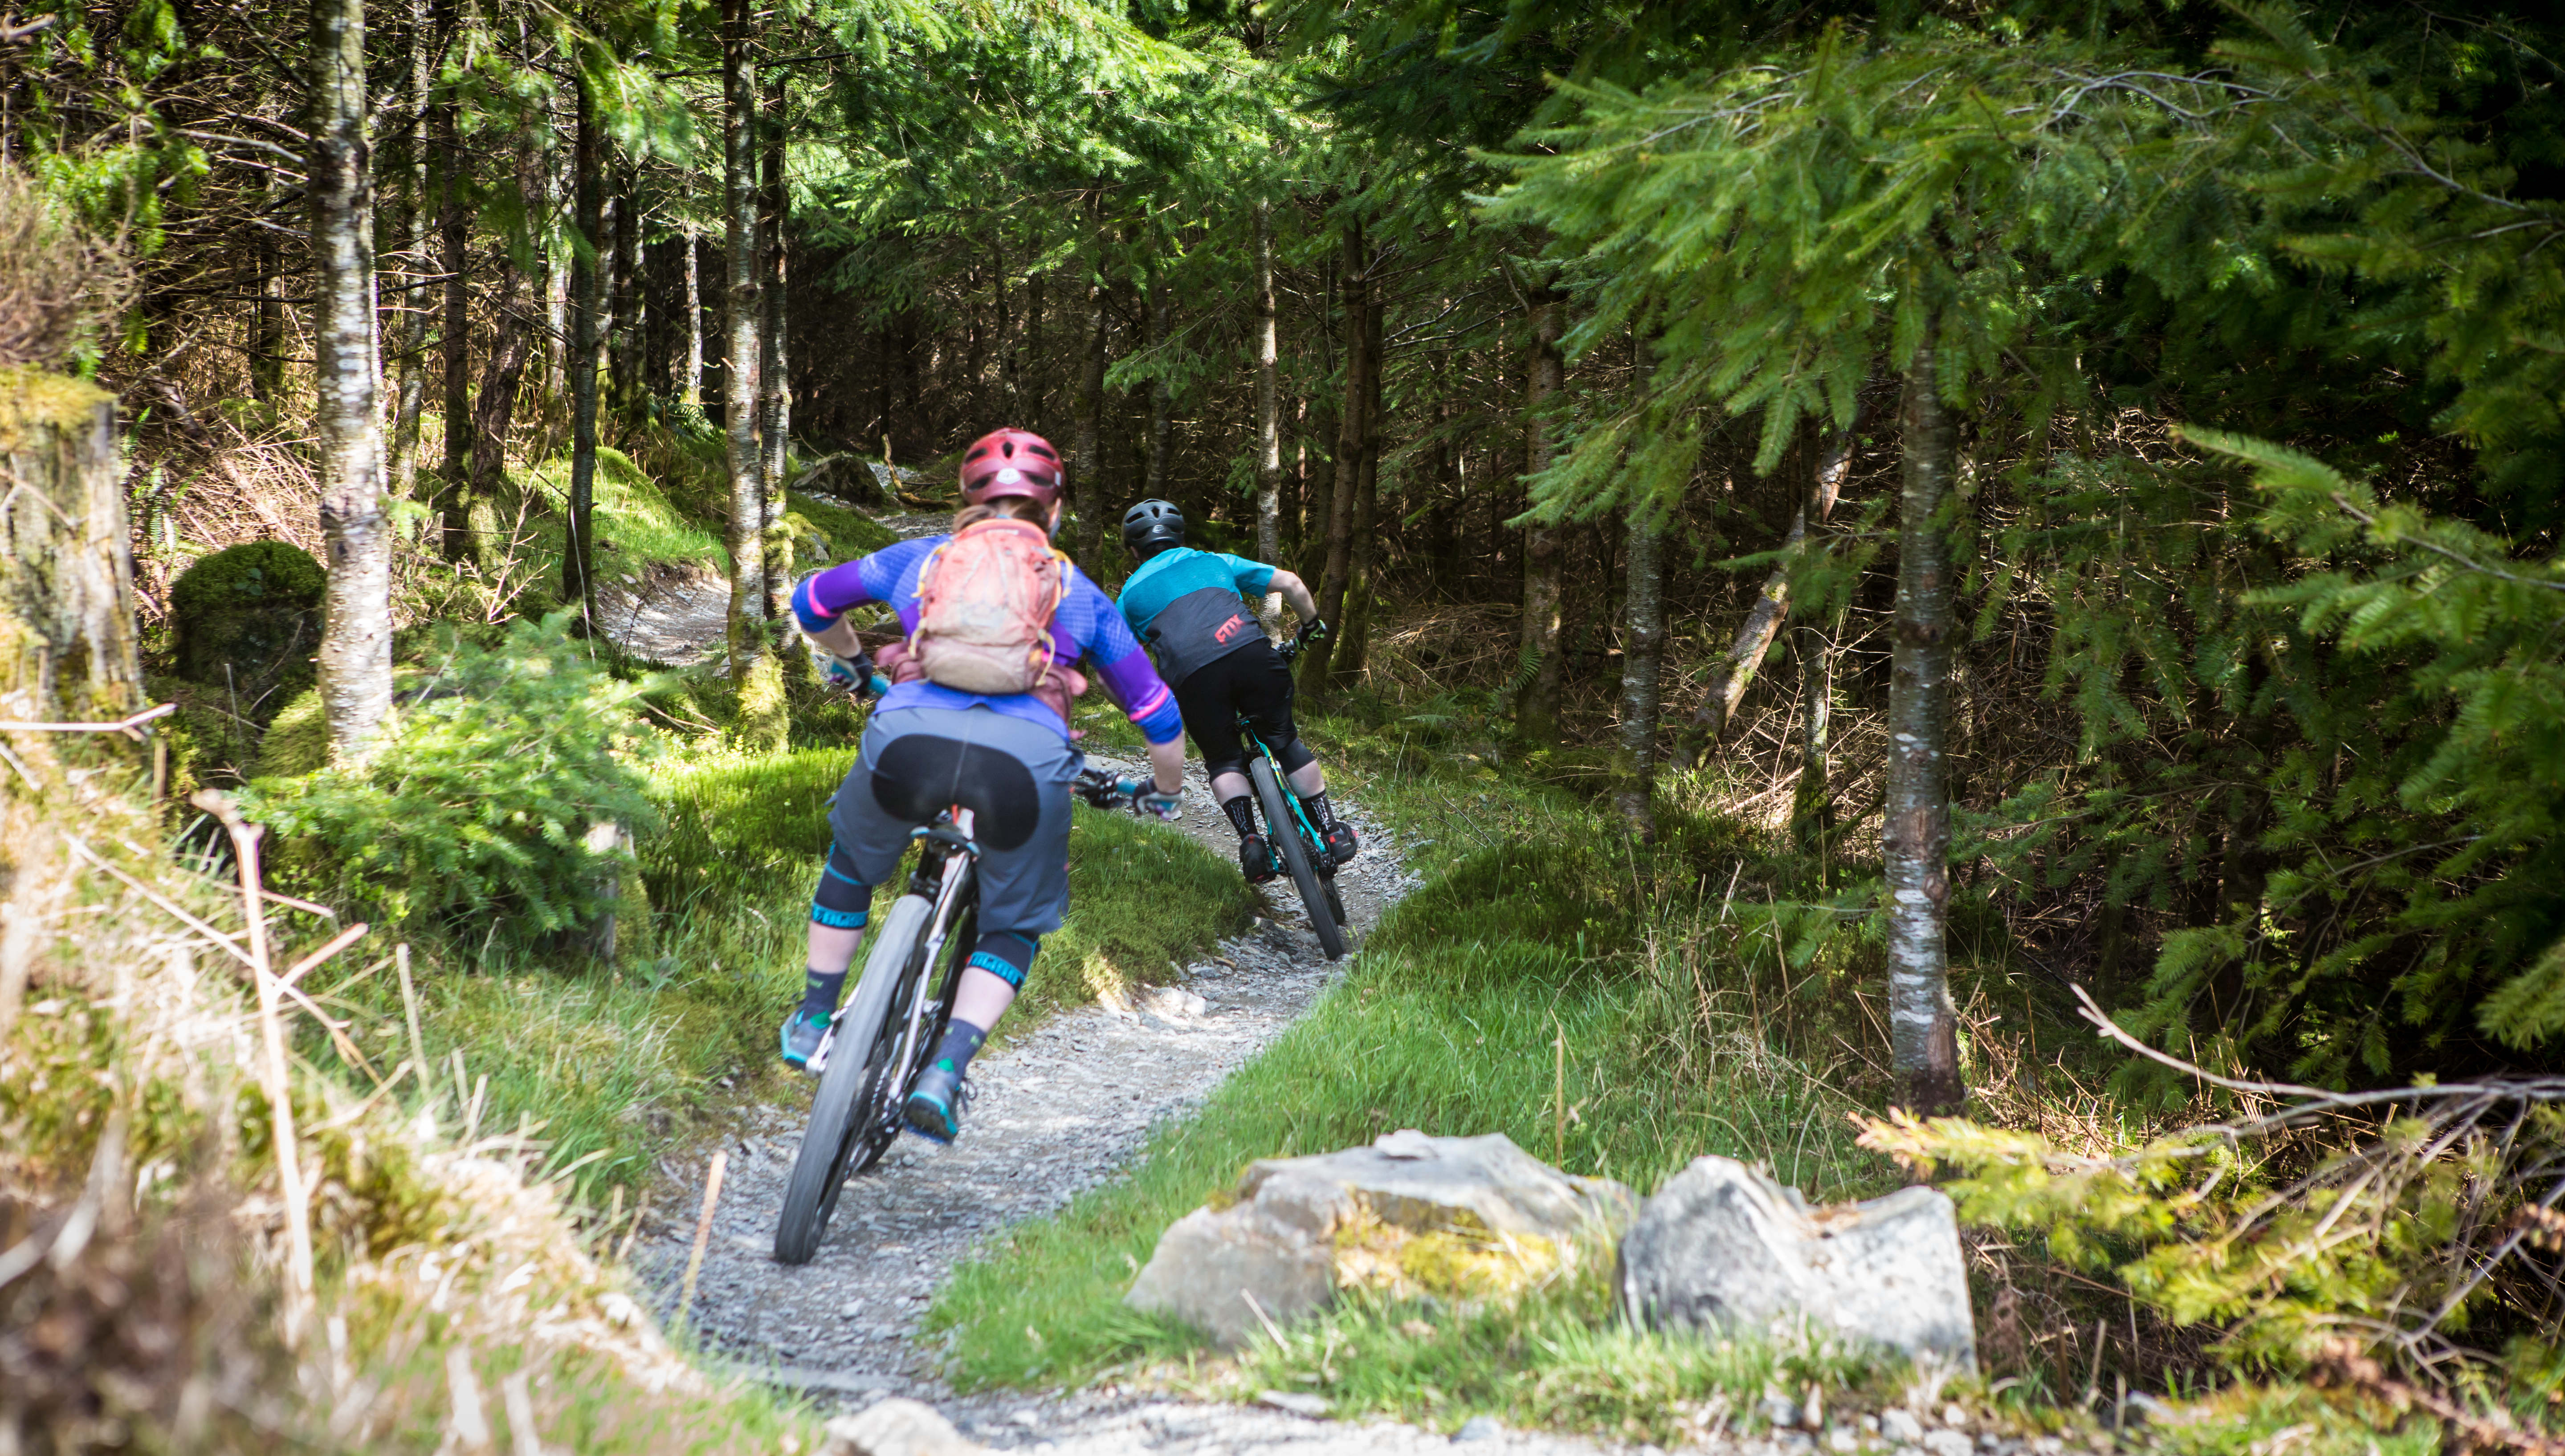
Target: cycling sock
x,y
960,1044
1319,813
1240,812
819,991
1005,954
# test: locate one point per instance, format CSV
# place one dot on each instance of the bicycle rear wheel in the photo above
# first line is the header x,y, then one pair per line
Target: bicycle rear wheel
x,y
843,1137
1283,831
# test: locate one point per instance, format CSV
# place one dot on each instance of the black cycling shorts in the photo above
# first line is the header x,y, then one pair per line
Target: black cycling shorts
x,y
1254,683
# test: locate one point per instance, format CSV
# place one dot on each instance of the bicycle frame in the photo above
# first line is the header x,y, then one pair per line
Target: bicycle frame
x,y
1300,816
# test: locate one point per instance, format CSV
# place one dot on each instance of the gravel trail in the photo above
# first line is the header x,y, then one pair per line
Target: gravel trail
x,y
1054,1112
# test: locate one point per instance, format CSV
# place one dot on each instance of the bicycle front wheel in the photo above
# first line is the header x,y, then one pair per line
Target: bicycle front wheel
x,y
1283,831
843,1111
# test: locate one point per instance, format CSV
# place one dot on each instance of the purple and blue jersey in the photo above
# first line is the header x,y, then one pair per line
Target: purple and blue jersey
x,y
1085,625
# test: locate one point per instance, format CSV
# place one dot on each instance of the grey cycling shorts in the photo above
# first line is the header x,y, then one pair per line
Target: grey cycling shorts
x,y
1012,775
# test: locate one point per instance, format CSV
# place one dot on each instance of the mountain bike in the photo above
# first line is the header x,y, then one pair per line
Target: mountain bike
x,y
870,1057
1289,834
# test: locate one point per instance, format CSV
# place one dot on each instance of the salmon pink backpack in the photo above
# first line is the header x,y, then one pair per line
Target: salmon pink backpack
x,y
985,604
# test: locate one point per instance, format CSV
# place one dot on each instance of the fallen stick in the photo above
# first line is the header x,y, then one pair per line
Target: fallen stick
x,y
278,1079
132,727
703,1231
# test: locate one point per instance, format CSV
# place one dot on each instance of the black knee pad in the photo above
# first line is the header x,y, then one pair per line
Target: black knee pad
x,y
1293,756
841,901
1237,765
1007,954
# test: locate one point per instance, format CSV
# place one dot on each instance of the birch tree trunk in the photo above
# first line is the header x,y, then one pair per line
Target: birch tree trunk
x,y
1268,410
743,350
586,304
1914,839
1642,654
355,655
453,226
774,383
1537,699
1354,290
694,381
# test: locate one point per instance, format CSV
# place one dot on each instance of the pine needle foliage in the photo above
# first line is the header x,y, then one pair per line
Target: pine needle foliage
x,y
478,809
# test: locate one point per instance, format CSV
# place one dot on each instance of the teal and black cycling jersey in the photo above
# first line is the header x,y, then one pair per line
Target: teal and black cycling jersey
x,y
1190,607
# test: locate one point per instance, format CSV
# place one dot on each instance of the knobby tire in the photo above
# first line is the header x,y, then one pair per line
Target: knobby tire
x,y
1283,831
843,1109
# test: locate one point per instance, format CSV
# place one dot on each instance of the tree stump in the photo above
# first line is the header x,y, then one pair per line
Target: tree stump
x,y
67,634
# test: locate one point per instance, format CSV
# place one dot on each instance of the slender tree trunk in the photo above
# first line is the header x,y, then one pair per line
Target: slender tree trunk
x,y
1346,486
267,365
1086,427
494,411
409,395
1812,805
774,383
559,285
694,383
1088,448
1914,839
357,623
1642,649
1036,378
453,226
623,307
1161,394
1536,700
578,555
1745,657
1353,647
738,367
1269,397
1269,412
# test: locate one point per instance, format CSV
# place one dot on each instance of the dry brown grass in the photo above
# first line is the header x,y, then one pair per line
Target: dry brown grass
x,y
135,1150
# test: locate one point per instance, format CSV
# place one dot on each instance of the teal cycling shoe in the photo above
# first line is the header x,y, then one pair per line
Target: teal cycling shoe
x,y
804,1030
935,1105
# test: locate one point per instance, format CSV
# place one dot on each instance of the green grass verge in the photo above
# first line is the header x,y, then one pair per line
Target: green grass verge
x,y
604,1063
1452,1020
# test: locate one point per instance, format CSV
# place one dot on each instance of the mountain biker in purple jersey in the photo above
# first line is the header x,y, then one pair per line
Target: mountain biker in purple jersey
x,y
1007,758
1190,607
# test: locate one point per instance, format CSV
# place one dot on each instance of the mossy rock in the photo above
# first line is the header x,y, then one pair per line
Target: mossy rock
x,y
255,607
296,742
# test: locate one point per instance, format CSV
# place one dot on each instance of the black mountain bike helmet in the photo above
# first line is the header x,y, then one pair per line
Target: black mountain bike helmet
x,y
1152,524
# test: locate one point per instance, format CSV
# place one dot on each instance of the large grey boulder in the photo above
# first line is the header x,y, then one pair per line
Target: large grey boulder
x,y
1457,1217
1724,1249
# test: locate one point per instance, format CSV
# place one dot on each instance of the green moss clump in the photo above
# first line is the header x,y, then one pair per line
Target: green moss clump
x,y
35,397
255,607
296,742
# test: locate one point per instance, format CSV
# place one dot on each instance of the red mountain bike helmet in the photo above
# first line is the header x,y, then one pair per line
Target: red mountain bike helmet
x,y
1009,463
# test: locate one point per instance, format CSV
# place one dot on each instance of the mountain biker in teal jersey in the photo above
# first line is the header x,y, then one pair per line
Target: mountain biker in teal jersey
x,y
1004,756
1190,607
